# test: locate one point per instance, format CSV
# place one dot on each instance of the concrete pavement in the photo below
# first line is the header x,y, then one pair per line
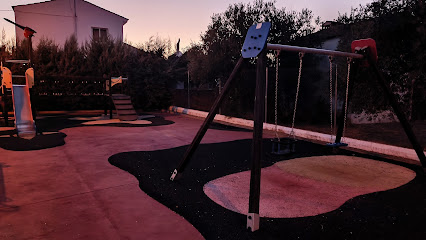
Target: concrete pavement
x,y
72,192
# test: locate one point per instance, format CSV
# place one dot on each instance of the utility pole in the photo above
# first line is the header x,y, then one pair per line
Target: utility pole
x,y
75,18
220,92
189,105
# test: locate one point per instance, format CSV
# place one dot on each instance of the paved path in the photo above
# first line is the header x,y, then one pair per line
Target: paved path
x,y
72,192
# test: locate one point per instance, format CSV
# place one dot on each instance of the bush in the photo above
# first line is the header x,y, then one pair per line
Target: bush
x,y
69,73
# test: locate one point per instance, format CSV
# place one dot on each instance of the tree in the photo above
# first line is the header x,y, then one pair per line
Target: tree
x,y
399,30
5,47
158,46
46,57
71,59
221,43
216,56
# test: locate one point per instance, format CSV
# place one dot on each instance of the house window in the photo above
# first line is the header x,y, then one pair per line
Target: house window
x,y
100,33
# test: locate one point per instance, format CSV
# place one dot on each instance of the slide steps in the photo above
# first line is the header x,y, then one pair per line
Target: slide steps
x,y
124,107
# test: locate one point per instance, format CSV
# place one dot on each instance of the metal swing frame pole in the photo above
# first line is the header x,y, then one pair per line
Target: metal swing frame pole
x,y
335,103
398,111
332,53
257,143
110,98
104,84
209,119
266,94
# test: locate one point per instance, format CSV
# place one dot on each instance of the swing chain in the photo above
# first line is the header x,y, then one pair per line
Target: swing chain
x,y
330,59
277,53
301,54
346,97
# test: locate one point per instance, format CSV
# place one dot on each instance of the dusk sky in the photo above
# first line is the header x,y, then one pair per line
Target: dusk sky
x,y
185,19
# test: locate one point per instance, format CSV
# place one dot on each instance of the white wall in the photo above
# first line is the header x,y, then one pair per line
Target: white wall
x,y
55,20
88,16
40,18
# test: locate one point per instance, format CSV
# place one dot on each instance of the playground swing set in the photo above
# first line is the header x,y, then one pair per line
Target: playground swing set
x,y
364,54
284,146
23,112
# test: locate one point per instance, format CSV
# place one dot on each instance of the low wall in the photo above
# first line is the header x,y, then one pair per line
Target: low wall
x,y
199,99
368,118
315,136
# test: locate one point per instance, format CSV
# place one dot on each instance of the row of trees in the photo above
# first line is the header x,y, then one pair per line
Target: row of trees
x,y
211,61
148,69
397,26
220,47
150,66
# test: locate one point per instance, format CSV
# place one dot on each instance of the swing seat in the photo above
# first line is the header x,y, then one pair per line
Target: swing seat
x,y
283,146
339,144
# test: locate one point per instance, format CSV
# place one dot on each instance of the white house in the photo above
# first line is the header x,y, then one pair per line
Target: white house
x,y
59,19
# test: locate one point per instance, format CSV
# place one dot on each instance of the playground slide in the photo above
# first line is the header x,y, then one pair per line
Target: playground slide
x,y
24,121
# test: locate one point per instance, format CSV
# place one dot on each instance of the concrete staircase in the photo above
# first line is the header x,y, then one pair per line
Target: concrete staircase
x,y
124,107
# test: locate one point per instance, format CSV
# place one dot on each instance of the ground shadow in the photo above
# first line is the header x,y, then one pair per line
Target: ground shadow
x,y
4,207
10,141
48,135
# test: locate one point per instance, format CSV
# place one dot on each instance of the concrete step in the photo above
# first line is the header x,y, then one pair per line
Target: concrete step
x,y
124,107
120,97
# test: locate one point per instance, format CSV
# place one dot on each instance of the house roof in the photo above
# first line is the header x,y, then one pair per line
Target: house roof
x,y
13,7
105,10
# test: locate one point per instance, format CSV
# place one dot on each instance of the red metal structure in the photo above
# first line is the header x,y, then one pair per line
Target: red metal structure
x,y
28,33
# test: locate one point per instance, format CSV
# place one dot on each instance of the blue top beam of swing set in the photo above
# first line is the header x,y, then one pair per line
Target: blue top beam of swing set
x,y
289,48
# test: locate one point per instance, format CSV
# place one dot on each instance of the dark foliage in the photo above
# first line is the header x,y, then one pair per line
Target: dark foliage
x,y
76,74
212,61
397,26
399,30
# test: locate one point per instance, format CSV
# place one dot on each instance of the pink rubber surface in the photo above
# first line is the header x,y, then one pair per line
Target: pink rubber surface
x,y
308,186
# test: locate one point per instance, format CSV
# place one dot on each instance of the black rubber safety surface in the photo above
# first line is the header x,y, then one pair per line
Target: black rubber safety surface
x,y
393,214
